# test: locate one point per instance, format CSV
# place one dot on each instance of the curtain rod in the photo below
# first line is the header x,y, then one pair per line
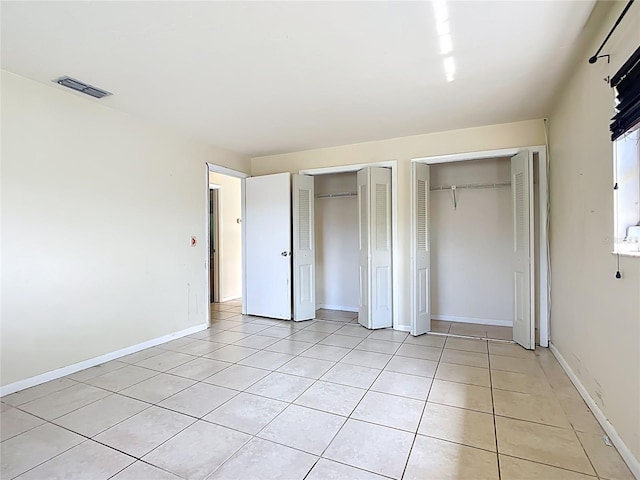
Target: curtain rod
x,y
597,55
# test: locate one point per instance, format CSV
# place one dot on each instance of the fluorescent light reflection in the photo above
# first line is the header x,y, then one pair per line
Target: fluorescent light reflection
x,y
442,28
441,12
445,45
449,68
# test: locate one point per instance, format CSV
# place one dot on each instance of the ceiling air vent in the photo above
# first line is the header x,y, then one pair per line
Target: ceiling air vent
x,y
78,86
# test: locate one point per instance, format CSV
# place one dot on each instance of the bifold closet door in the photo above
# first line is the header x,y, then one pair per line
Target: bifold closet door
x,y
304,255
522,205
421,261
374,215
267,223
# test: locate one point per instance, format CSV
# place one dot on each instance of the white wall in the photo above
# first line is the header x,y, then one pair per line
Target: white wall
x,y
595,318
336,223
230,241
492,137
471,246
97,213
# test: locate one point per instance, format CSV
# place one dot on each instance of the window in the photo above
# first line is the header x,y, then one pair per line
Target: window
x,y
627,193
625,133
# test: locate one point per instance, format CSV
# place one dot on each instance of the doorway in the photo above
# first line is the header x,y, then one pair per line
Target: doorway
x,y
224,259
480,248
214,228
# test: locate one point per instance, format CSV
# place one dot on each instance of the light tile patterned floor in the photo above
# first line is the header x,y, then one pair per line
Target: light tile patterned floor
x,y
254,398
472,330
337,315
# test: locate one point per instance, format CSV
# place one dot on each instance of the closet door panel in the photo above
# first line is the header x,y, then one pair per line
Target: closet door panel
x,y
421,311
304,268
380,247
363,244
522,204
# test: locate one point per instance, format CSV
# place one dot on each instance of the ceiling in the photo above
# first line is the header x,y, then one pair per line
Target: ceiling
x,y
274,77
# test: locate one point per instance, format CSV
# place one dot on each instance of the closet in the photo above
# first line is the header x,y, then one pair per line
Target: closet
x,y
337,247
285,274
476,246
471,228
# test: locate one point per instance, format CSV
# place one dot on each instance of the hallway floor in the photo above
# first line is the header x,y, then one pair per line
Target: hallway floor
x,y
254,398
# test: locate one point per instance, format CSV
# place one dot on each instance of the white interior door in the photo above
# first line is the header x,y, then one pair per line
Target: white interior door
x,y
267,223
374,196
304,256
522,200
421,312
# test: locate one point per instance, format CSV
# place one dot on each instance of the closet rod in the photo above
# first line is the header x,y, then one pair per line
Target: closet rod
x,y
471,186
337,195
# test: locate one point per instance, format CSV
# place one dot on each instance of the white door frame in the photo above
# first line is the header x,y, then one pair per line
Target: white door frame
x,y
544,280
393,165
210,167
217,239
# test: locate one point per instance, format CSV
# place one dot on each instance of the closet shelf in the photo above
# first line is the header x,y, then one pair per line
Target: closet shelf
x,y
470,186
337,195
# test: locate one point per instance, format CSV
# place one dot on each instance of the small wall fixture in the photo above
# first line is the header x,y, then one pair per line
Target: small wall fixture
x,y
81,87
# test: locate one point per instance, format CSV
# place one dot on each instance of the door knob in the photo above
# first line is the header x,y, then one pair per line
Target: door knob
x,y
284,254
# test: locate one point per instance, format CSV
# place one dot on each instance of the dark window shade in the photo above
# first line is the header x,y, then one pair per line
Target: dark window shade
x,y
626,83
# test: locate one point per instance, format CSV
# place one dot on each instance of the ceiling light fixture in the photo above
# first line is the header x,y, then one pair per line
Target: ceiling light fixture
x,y
81,87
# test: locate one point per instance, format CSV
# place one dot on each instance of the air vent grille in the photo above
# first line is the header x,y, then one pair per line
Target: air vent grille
x,y
81,87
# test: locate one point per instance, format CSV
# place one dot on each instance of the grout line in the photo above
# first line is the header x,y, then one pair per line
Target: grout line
x,y
349,417
552,466
470,337
493,408
457,443
424,408
350,466
72,447
146,463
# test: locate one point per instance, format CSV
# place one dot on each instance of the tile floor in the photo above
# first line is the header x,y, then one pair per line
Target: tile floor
x,y
472,330
337,315
254,398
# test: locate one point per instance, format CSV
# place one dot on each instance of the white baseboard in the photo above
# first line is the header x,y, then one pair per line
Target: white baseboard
x,y
228,299
632,462
479,321
402,328
337,307
92,362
